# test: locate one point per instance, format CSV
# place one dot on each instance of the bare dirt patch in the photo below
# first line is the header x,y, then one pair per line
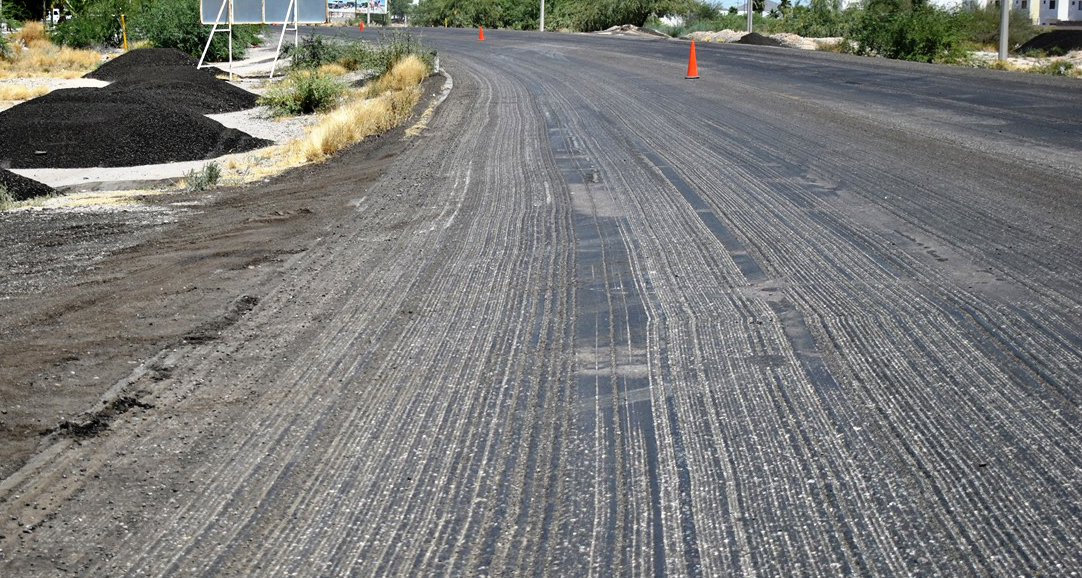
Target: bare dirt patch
x,y
95,292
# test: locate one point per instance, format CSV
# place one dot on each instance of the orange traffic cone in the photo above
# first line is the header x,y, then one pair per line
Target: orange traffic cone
x,y
360,26
480,34
693,67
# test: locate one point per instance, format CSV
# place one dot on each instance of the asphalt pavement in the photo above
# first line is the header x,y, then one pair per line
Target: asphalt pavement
x,y
810,314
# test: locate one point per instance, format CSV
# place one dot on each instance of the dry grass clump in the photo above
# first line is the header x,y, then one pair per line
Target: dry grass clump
x,y
30,33
333,69
356,120
409,71
21,91
399,90
33,56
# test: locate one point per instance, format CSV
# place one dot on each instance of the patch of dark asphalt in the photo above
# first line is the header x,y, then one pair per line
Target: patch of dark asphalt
x,y
96,423
212,329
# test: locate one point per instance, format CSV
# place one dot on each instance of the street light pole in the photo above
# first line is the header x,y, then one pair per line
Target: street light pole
x,y
1004,27
542,15
748,9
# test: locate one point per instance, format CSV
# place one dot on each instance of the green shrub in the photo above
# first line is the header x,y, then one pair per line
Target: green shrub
x,y
919,33
820,18
980,27
5,50
303,92
96,25
203,179
176,24
315,51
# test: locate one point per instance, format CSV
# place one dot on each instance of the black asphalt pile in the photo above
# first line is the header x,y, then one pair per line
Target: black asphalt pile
x,y
172,75
88,127
21,188
1055,42
756,39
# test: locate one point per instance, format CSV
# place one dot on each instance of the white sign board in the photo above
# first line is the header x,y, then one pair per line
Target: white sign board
x,y
349,7
262,11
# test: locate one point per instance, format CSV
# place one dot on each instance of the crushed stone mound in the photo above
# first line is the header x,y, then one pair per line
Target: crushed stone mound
x,y
21,188
756,39
1057,41
172,75
136,62
187,86
95,127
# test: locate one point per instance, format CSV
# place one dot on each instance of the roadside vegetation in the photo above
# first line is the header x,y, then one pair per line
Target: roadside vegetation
x,y
902,29
31,54
96,24
202,179
396,67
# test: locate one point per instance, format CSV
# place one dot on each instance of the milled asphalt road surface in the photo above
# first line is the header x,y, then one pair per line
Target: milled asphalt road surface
x,y
808,315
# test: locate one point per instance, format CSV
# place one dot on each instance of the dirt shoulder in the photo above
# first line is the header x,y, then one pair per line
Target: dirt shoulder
x,y
90,294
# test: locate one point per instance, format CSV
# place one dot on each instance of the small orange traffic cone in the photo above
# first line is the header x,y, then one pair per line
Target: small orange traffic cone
x,y
480,34
360,25
693,67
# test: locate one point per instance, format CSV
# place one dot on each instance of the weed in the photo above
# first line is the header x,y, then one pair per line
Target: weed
x,y
1054,68
203,179
6,199
399,46
840,46
303,92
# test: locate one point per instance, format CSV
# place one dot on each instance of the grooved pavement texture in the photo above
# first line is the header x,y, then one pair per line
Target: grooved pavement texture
x,y
808,315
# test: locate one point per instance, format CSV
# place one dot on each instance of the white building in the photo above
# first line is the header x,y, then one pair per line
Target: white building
x,y
1050,11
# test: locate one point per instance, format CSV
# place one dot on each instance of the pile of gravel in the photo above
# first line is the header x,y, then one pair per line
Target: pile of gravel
x,y
151,113
172,75
1057,41
21,188
757,39
87,127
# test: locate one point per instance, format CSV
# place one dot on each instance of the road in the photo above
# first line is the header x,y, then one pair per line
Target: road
x,y
809,314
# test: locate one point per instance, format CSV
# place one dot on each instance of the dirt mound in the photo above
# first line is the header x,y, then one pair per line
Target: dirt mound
x,y
1057,42
170,74
21,188
88,127
756,39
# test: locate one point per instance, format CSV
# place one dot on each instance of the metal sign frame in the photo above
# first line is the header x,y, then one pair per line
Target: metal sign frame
x,y
290,23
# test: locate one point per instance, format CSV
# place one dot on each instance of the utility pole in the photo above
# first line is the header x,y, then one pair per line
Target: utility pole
x,y
1004,27
749,15
542,15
